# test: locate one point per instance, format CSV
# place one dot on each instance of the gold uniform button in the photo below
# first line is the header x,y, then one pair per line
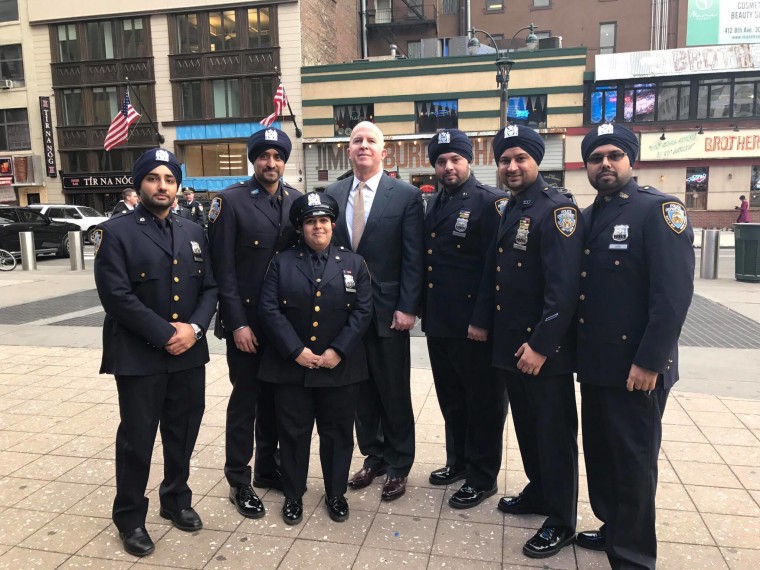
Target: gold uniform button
x,y
432,235
318,280
624,337
587,251
319,293
519,264
430,285
256,242
176,297
581,321
175,316
469,296
430,268
459,246
583,274
284,301
176,262
176,279
582,297
142,274
313,338
316,309
315,324
617,262
501,250
430,252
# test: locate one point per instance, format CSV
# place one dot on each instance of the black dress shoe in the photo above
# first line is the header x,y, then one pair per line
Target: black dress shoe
x,y
548,541
393,488
137,542
292,511
247,502
591,539
468,497
365,476
337,507
268,481
447,475
519,505
186,519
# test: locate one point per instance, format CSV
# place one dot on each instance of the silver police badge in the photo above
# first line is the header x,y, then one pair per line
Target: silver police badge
x,y
444,138
314,199
606,129
349,281
523,230
620,233
215,210
197,253
565,220
270,135
460,227
162,155
675,216
511,131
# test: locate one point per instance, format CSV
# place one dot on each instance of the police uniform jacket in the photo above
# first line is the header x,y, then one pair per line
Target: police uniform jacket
x,y
244,233
143,286
637,281
297,311
533,278
120,208
196,213
182,212
458,234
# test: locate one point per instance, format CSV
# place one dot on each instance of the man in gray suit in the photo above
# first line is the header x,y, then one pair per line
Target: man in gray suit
x,y
381,218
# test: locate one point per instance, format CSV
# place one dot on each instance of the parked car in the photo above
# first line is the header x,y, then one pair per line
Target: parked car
x,y
49,236
83,216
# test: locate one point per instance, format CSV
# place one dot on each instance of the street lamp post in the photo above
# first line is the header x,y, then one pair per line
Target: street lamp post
x,y
503,64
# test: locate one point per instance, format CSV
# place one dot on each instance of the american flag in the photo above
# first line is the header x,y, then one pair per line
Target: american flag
x,y
117,132
280,102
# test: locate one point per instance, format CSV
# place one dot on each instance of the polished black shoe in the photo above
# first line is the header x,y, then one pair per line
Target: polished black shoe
x,y
186,519
365,476
393,488
137,542
292,511
591,539
447,475
519,505
548,541
337,507
268,481
247,502
468,497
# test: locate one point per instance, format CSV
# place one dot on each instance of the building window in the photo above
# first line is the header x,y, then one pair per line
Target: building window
x,y
190,102
12,64
542,3
112,161
188,34
450,7
259,33
100,40
226,98
432,116
134,38
414,50
754,189
346,117
14,130
554,178
71,112
494,5
223,159
529,111
223,31
696,188
639,103
105,104
603,104
75,161
8,10
673,101
714,99
262,91
607,33
411,5
68,46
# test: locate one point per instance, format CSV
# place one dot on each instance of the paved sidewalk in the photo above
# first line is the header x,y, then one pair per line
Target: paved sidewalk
x,y
58,418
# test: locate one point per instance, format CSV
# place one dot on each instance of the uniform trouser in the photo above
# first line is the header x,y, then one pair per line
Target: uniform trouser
x,y
473,402
384,416
175,401
622,432
297,408
546,426
251,402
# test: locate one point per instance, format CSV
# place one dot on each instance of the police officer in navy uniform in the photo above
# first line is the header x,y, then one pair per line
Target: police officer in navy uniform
x,y
248,224
316,305
535,260
637,281
195,208
460,224
154,278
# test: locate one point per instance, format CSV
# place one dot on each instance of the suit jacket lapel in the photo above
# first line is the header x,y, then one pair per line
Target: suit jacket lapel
x,y
304,265
145,221
341,196
261,201
382,199
332,268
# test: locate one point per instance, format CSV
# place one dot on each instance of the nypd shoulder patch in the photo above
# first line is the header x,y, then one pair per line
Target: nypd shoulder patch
x,y
675,216
566,220
501,205
97,239
215,209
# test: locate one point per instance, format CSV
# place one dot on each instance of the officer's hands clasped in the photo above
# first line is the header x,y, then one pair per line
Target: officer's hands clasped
x,y
530,361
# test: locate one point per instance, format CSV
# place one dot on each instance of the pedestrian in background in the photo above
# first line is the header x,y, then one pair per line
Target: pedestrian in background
x,y
637,281
316,305
744,217
153,276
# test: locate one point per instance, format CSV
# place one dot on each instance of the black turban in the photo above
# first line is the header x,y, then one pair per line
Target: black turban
x,y
151,159
518,136
268,138
450,140
616,135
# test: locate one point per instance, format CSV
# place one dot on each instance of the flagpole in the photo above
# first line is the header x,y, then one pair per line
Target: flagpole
x,y
299,134
159,137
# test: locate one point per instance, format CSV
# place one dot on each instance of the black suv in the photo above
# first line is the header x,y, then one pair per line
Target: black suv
x,y
49,236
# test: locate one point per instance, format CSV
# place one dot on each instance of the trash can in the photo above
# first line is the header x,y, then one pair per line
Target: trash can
x,y
747,252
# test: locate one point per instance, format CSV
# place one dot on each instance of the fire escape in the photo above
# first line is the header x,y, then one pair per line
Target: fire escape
x,y
391,17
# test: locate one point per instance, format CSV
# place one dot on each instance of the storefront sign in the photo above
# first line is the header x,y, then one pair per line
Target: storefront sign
x,y
96,181
47,137
693,146
712,22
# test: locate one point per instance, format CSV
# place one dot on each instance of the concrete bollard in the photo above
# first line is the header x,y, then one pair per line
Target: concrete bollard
x,y
708,259
28,253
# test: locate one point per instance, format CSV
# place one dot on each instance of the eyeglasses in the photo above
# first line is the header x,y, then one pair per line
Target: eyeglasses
x,y
613,156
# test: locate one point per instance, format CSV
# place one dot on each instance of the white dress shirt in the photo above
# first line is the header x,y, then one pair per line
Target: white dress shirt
x,y
370,189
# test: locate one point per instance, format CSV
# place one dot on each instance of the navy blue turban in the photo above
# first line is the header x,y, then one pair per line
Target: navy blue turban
x,y
518,136
151,159
450,140
616,135
268,138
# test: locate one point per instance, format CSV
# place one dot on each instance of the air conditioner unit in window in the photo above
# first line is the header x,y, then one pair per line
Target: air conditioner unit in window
x,y
6,83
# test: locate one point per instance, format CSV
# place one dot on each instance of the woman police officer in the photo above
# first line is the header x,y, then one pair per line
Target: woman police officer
x,y
315,306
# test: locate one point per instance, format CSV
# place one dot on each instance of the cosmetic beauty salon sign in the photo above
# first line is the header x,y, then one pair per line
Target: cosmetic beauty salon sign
x,y
717,22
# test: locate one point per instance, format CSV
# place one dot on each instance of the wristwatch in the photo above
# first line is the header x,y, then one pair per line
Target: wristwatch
x,y
198,331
